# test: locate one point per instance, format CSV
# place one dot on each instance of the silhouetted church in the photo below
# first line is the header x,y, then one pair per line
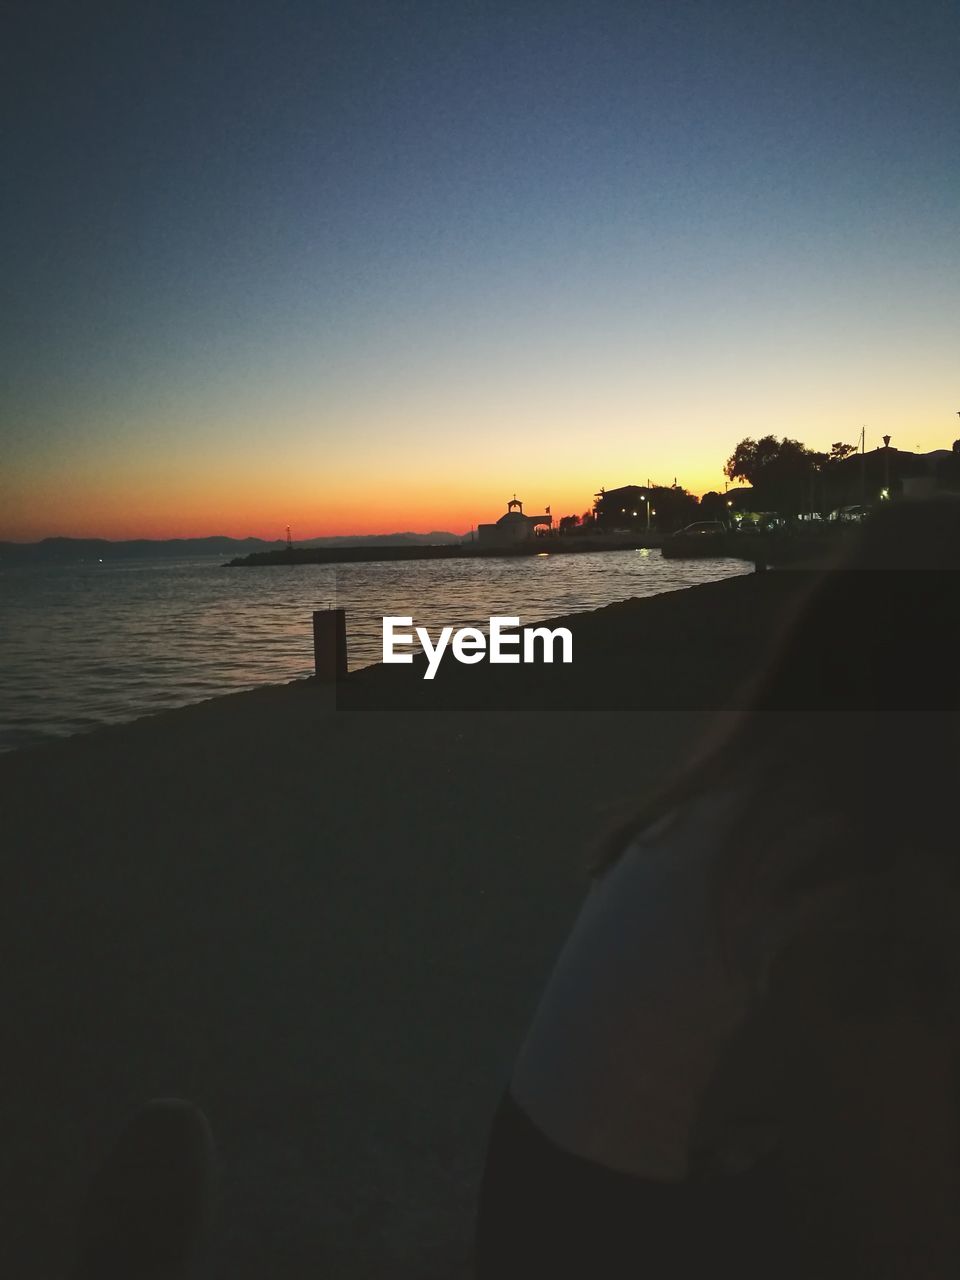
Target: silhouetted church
x,y
513,527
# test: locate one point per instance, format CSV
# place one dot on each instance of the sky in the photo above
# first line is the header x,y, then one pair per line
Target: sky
x,y
367,266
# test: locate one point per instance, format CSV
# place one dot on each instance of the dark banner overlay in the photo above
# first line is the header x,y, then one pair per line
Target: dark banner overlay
x,y
787,640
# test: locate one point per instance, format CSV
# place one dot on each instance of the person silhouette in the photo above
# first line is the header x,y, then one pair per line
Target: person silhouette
x,y
745,1059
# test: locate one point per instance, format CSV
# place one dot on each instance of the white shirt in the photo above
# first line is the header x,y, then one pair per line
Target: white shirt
x,y
640,1006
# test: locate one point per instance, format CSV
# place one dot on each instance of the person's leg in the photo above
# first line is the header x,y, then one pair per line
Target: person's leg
x,y
545,1212
149,1206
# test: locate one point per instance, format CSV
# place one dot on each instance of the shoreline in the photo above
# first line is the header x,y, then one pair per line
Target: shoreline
x,y
324,913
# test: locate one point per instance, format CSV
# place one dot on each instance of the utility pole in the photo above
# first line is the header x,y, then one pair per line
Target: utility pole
x,y
863,466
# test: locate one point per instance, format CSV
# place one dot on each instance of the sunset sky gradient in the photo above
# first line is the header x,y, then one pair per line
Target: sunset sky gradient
x,y
369,266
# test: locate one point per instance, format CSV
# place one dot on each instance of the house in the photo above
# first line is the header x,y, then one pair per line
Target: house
x,y
623,508
635,509
864,478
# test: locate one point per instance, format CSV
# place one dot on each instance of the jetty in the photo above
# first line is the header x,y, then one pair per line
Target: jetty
x,y
785,547
546,544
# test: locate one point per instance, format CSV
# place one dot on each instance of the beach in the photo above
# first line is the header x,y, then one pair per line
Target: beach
x,y
324,914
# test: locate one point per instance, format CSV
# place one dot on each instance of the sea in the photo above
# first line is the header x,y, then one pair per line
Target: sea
x,y
97,642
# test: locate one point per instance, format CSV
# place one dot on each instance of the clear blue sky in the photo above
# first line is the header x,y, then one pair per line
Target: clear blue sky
x,y
361,266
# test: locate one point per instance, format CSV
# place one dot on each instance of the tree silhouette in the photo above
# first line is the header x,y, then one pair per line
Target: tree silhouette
x,y
781,472
712,506
674,507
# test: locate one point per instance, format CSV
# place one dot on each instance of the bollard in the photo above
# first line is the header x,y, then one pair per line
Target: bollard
x,y
330,645
760,566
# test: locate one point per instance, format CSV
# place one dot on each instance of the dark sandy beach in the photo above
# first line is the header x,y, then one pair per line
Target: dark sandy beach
x,y
325,916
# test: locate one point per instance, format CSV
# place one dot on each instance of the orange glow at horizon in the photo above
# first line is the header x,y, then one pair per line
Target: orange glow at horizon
x,y
105,516
319,492
240,500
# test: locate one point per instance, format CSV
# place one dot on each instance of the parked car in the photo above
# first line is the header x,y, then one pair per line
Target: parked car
x,y
705,538
701,528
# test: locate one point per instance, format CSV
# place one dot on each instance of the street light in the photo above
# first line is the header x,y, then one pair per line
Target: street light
x,y
644,498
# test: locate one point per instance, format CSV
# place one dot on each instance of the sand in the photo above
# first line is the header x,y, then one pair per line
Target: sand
x,y
325,916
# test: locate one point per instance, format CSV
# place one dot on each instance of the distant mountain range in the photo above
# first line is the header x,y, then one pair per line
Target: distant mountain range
x,y
78,549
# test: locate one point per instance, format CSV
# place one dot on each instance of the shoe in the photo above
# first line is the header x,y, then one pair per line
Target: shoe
x,y
149,1207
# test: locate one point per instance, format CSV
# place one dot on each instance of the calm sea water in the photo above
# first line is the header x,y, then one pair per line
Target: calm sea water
x,y
91,643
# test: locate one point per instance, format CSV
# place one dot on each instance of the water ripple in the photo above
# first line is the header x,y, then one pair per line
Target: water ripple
x,y
88,644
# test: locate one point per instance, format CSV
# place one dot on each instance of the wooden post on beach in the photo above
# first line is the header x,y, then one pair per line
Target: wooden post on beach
x,y
330,645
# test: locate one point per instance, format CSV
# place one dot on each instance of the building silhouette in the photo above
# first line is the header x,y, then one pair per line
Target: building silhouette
x,y
514,526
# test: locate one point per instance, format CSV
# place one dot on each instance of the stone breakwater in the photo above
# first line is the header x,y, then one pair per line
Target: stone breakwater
x,y
453,551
